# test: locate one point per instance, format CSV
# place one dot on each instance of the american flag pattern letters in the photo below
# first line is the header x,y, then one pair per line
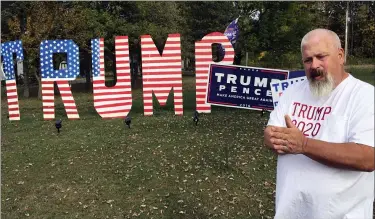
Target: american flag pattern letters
x,y
116,101
50,75
162,73
203,58
7,51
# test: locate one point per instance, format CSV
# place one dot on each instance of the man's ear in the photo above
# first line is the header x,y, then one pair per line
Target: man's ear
x,y
341,55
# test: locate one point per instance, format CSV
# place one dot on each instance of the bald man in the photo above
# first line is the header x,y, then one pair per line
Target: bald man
x,y
323,133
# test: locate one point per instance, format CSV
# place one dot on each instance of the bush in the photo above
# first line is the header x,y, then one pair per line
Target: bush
x,y
289,60
352,60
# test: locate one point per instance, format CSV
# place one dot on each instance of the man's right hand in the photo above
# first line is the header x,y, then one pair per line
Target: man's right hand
x,y
268,140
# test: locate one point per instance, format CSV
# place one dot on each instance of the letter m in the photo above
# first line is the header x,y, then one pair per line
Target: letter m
x,y
161,73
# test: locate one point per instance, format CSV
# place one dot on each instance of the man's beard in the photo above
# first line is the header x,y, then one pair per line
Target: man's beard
x,y
322,87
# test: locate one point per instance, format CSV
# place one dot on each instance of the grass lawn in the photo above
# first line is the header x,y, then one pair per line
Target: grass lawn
x,y
163,167
365,73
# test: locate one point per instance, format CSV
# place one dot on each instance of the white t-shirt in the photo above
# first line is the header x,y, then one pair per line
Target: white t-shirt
x,y
307,189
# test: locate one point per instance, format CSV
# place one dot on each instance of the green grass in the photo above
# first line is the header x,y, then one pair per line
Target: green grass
x,y
365,73
163,167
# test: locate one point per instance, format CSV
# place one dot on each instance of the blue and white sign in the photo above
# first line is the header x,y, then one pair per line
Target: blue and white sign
x,y
296,74
279,87
242,86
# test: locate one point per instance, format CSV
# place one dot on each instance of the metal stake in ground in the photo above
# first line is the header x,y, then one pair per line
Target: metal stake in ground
x,y
127,121
196,118
58,125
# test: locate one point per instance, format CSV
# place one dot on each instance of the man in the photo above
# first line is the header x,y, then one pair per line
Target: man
x,y
323,132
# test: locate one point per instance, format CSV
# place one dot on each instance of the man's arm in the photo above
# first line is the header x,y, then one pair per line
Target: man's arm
x,y
358,152
341,155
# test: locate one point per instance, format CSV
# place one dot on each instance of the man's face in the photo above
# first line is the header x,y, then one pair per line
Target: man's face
x,y
322,63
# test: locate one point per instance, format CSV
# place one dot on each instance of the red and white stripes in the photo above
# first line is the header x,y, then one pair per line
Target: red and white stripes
x,y
161,73
116,101
49,100
12,96
203,58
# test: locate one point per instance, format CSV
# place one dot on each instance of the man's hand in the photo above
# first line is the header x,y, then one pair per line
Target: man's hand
x,y
289,139
268,138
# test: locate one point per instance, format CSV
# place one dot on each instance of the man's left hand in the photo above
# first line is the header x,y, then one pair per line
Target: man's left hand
x,y
290,139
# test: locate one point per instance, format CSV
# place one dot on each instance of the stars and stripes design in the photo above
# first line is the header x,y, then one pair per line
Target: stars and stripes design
x,y
203,58
48,48
7,51
161,73
66,96
116,101
12,96
49,76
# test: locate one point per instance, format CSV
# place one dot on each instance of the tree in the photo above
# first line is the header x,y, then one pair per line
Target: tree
x,y
56,20
363,29
17,10
203,18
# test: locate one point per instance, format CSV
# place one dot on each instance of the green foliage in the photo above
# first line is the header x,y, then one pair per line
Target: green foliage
x,y
273,28
363,30
203,18
365,72
353,60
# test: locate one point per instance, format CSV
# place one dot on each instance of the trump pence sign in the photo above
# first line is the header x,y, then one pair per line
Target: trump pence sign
x,y
242,86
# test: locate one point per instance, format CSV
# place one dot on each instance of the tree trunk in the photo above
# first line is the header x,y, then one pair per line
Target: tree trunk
x,y
86,66
88,79
26,91
39,85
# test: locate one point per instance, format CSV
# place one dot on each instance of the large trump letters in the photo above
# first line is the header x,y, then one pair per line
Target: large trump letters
x,y
49,76
116,101
161,74
7,51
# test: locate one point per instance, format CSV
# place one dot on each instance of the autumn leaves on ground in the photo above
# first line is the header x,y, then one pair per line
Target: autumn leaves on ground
x,y
162,167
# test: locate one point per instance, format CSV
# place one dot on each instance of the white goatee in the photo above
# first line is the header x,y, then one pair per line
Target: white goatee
x,y
321,88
